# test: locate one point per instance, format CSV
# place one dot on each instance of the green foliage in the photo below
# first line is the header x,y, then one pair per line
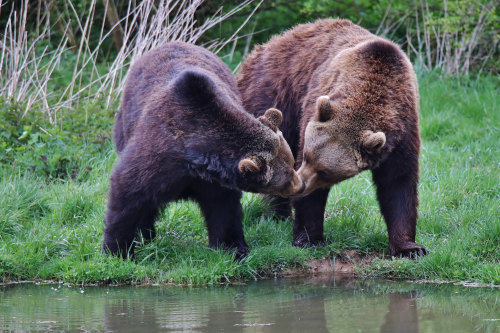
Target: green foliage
x,y
458,37
62,20
275,16
466,25
36,147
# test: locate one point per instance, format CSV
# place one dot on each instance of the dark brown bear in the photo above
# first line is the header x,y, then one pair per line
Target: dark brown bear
x,y
182,132
350,103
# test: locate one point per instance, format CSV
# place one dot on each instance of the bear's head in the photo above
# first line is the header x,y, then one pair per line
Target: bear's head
x,y
272,170
255,148
335,149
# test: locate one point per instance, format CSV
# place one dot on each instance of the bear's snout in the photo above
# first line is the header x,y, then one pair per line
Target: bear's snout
x,y
308,177
295,187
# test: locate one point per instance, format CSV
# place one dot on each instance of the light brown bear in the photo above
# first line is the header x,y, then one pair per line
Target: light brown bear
x,y
350,103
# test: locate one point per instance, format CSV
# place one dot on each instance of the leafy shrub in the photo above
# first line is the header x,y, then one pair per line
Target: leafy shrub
x,y
33,146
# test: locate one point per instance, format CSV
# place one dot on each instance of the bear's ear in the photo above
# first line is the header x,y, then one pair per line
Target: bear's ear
x,y
195,87
251,164
324,109
272,118
373,142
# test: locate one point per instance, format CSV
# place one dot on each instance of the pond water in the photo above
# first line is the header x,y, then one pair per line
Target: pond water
x,y
319,304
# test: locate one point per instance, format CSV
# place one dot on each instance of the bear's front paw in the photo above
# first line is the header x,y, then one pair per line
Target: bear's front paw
x,y
113,251
240,248
304,242
409,250
120,250
241,253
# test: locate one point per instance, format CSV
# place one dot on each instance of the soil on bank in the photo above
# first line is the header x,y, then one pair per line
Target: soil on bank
x,y
345,263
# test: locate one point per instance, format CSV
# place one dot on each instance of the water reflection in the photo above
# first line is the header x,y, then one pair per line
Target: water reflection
x,y
319,304
401,314
128,316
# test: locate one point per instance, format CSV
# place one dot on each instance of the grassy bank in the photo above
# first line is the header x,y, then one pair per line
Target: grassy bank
x,y
54,186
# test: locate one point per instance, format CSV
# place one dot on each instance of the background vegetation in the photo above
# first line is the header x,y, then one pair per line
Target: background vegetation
x,y
62,66
452,36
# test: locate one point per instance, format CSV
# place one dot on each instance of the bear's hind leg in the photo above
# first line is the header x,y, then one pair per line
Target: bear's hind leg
x,y
134,197
398,200
122,223
281,208
221,208
146,225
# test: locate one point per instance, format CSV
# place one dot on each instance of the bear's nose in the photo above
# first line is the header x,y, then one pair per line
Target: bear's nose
x,y
300,191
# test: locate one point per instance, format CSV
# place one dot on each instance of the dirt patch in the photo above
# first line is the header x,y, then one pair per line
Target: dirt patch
x,y
345,263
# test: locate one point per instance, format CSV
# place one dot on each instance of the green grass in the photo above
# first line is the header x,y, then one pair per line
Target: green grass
x,y
54,187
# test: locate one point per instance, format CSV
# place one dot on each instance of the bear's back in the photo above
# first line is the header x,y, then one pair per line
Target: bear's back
x,y
151,74
284,65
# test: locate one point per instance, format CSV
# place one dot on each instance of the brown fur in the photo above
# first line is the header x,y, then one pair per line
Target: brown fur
x,y
368,119
182,132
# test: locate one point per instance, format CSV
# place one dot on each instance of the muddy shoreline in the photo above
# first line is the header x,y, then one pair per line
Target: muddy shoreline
x,y
348,264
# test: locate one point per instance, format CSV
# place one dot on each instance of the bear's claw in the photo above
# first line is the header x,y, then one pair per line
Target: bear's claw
x,y
241,253
308,243
412,253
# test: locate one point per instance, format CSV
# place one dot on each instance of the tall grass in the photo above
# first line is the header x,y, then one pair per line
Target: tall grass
x,y
451,36
455,38
25,70
27,67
